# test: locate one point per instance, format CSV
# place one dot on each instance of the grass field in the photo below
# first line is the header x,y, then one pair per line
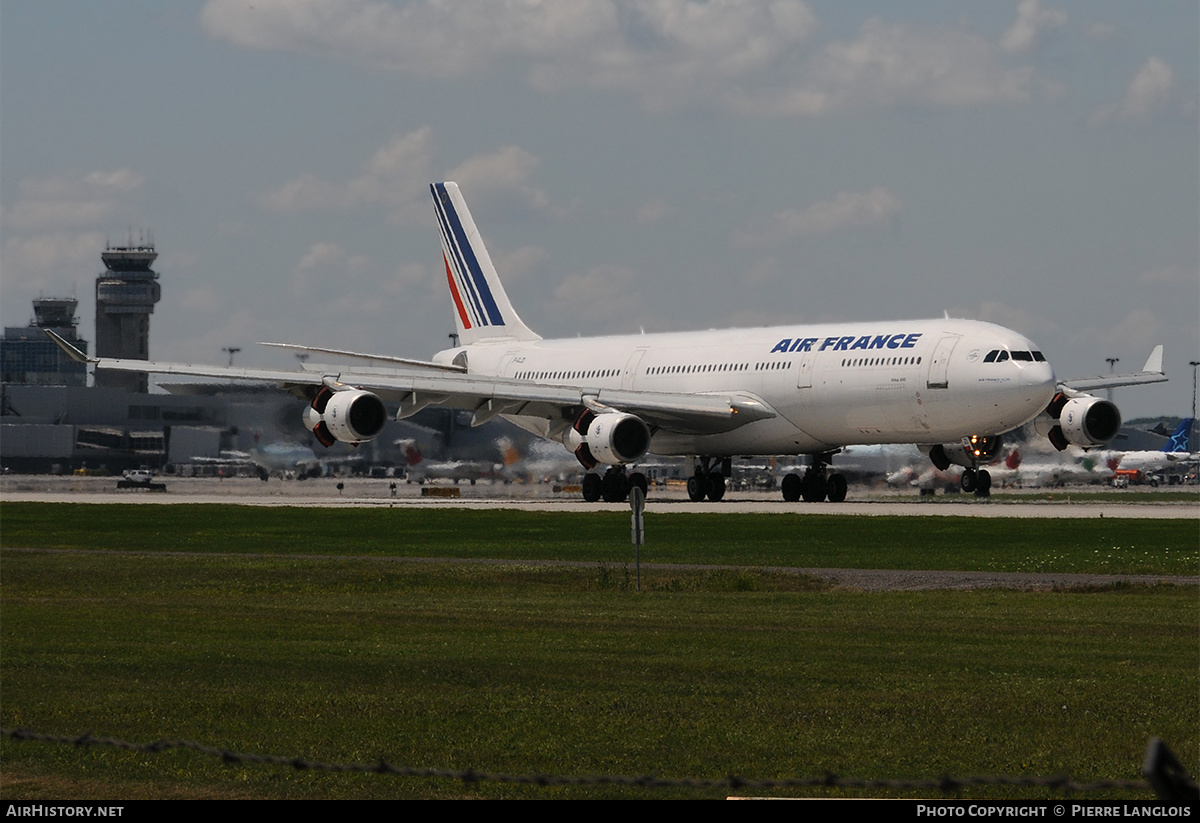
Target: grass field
x,y
291,632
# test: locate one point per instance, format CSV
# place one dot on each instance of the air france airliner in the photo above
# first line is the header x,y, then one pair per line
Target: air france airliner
x,y
952,387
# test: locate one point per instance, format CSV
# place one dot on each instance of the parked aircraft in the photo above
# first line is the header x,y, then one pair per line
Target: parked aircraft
x,y
283,460
953,387
420,470
1176,451
1069,467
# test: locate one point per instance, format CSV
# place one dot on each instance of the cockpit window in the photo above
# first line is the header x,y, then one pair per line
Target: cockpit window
x,y
1001,355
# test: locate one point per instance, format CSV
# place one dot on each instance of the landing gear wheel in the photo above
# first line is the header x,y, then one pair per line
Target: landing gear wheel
x,y
812,488
697,487
790,486
716,486
835,488
983,483
615,487
593,487
638,479
968,482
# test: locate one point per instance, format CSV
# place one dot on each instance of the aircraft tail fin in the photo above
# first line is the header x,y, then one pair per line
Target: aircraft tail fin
x,y
1181,438
481,307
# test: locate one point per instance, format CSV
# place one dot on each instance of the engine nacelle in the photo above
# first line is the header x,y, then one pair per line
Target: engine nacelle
x,y
978,449
614,438
1083,421
1089,421
351,416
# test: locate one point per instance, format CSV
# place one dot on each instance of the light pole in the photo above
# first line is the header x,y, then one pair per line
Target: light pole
x,y
1194,364
1112,363
232,351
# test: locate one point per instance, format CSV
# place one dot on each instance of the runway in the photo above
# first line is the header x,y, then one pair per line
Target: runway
x,y
371,492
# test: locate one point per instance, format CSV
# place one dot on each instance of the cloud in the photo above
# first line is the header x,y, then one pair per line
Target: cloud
x,y
750,58
846,210
394,177
1149,93
72,200
1171,276
397,176
606,293
1031,21
895,65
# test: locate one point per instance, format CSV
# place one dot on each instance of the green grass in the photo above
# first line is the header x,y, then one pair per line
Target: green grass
x,y
1103,545
351,657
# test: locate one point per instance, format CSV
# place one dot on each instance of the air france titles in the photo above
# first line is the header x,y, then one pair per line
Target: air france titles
x,y
849,343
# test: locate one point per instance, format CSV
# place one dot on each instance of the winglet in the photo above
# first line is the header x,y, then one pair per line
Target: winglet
x,y
1154,362
72,352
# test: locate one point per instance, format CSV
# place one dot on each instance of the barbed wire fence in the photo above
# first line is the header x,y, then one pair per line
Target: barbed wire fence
x,y
1163,772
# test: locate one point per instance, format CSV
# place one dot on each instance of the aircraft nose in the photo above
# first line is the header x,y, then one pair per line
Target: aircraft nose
x,y
1037,375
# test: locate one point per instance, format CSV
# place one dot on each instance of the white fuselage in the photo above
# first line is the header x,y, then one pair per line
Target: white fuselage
x,y
830,385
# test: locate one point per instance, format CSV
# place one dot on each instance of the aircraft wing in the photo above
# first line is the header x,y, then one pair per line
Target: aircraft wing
x,y
1152,372
380,358
414,389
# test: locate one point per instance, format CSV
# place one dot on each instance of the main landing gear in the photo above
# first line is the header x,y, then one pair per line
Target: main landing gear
x,y
613,486
978,481
816,485
709,479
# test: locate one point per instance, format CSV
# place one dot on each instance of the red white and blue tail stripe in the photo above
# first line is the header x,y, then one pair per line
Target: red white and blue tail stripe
x,y
481,307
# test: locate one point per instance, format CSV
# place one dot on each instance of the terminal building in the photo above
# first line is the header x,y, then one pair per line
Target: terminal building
x,y
30,358
52,421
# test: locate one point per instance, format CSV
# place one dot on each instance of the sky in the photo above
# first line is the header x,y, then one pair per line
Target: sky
x,y
659,165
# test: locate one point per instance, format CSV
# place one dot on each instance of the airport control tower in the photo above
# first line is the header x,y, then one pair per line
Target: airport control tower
x,y
125,298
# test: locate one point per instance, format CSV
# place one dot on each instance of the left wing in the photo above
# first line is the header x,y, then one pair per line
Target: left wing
x,y
1152,372
414,388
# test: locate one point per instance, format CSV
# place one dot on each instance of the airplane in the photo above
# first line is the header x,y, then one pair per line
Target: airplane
x,y
1072,468
1176,449
283,460
952,387
420,470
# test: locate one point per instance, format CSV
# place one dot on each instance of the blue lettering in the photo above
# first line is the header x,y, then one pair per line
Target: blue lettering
x,y
804,345
910,341
894,341
843,344
861,343
782,345
829,341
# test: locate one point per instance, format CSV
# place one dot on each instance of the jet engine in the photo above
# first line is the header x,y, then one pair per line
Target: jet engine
x,y
614,438
1083,420
975,450
351,416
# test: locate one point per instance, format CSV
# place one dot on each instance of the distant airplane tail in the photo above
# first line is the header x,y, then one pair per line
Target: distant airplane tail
x,y
481,307
1180,440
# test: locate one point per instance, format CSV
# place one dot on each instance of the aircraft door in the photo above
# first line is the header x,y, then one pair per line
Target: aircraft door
x,y
939,362
507,367
804,369
628,377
